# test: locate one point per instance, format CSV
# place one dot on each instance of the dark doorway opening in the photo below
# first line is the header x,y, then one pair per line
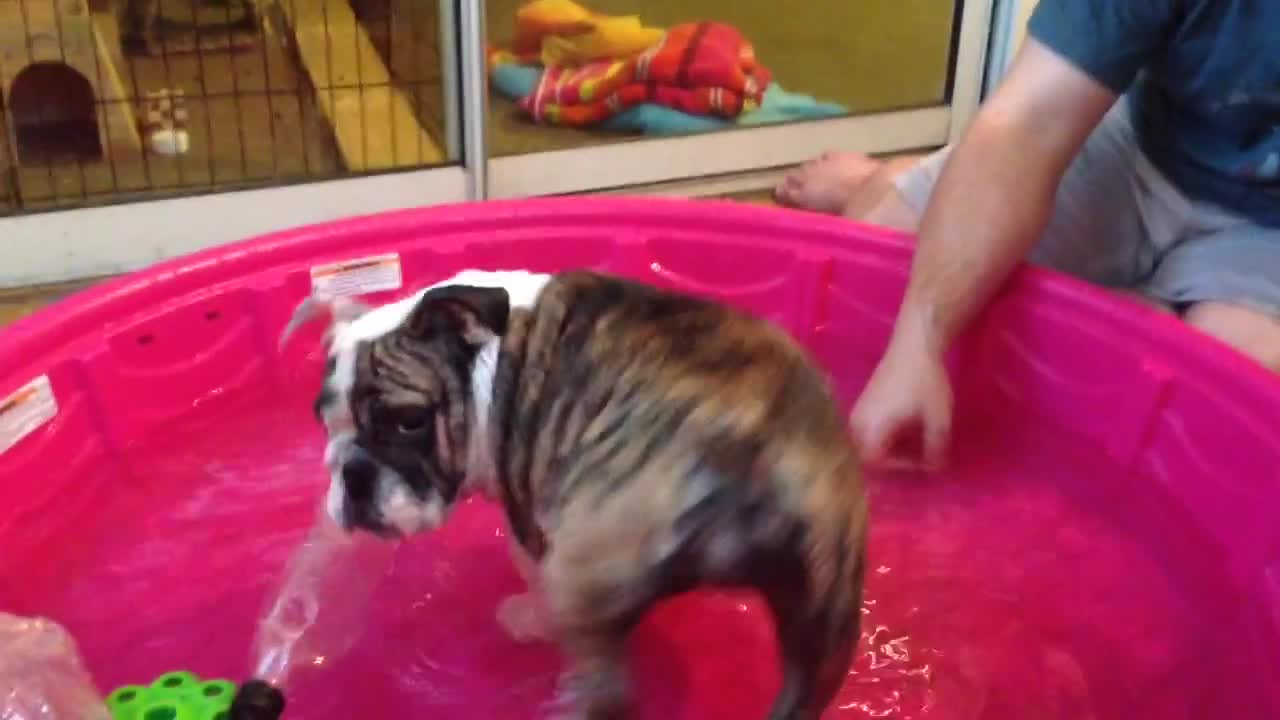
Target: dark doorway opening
x,y
54,115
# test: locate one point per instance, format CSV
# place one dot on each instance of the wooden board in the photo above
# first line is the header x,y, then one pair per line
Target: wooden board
x,y
373,122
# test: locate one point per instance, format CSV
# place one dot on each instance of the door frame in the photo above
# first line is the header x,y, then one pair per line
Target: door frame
x,y
1008,28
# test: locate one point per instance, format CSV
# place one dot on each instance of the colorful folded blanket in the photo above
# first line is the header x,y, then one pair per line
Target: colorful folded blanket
x,y
704,68
571,66
515,81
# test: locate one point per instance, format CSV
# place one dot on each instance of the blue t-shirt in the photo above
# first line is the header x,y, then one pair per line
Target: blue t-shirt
x,y
1203,80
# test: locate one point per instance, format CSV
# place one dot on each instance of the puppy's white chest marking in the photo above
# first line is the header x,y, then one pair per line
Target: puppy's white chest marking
x,y
480,461
523,288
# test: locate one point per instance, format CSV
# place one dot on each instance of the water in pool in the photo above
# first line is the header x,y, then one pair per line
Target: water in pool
x,y
1009,588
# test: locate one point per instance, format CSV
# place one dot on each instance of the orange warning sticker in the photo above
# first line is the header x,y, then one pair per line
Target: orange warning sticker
x,y
359,276
25,411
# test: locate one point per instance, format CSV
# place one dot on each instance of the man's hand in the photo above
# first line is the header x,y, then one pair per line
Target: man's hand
x,y
902,420
992,202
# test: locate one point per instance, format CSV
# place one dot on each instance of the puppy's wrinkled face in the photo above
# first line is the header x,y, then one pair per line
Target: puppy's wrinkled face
x,y
397,406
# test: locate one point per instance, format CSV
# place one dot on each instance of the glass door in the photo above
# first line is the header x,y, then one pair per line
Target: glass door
x,y
136,130
591,94
231,117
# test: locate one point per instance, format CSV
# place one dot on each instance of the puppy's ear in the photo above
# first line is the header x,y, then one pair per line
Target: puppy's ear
x,y
472,312
341,310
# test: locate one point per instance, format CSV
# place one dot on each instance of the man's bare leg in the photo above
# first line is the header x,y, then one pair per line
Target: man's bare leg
x,y
825,183
878,201
871,195
1253,333
851,184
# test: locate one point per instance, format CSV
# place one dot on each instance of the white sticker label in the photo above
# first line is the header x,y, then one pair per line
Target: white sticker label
x,y
360,276
26,411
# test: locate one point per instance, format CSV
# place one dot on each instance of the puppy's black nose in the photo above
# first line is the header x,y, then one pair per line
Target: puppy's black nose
x,y
359,477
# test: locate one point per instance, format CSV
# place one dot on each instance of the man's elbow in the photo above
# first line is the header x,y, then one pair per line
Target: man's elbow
x,y
1012,136
1046,105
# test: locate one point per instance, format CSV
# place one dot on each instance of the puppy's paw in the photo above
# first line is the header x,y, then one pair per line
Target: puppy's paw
x,y
523,618
597,695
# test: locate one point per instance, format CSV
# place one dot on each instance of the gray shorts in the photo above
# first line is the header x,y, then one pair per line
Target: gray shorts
x,y
1120,223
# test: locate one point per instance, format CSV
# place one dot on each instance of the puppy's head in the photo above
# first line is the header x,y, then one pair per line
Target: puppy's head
x,y
396,403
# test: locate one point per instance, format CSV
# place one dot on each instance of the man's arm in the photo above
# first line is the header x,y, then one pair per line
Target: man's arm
x,y
996,192
994,199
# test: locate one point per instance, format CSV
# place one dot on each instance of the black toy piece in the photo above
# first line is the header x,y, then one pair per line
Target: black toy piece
x,y
256,700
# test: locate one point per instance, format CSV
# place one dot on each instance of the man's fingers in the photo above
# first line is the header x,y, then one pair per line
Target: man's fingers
x,y
937,434
899,464
869,437
878,444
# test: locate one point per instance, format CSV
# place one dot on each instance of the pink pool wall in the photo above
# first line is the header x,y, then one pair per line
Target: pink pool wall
x,y
132,355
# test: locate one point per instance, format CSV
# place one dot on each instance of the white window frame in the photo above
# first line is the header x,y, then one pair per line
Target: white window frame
x,y
51,247
58,246
1008,28
641,162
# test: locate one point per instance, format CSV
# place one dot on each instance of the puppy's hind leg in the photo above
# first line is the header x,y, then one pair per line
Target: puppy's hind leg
x,y
814,666
594,603
817,642
524,616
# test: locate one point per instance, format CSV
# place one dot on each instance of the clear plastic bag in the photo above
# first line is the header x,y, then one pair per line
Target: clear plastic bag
x,y
41,674
323,603
316,617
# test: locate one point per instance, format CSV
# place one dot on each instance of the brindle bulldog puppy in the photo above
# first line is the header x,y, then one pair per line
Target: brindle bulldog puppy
x,y
643,443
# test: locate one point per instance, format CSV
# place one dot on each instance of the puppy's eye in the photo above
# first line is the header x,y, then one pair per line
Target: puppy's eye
x,y
412,421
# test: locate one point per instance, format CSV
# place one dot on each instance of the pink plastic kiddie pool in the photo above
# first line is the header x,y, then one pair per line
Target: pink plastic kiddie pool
x,y
1104,544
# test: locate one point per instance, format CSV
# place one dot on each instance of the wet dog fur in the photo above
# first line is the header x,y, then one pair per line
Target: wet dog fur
x,y
642,443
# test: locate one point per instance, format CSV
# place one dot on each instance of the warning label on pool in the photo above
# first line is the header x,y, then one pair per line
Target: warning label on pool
x,y
26,411
360,276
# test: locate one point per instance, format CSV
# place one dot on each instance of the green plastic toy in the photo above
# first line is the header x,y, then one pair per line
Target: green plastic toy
x,y
173,696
